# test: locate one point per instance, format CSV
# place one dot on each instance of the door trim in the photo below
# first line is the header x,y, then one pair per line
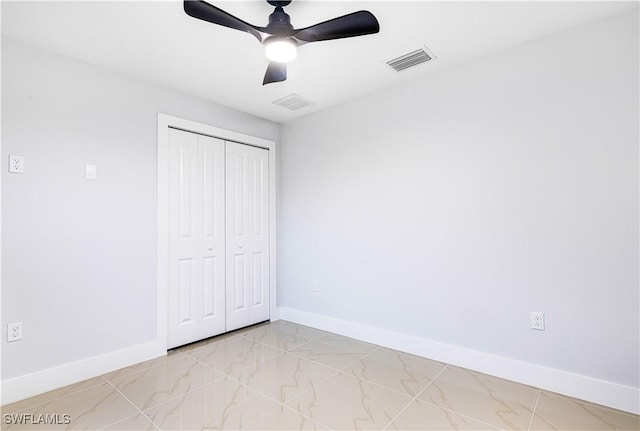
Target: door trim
x,y
166,121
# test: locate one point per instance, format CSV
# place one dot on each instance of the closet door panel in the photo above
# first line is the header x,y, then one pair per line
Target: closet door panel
x,y
247,236
183,184
258,179
196,237
212,241
238,310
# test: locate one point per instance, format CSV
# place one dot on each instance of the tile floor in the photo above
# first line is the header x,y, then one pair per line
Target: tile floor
x,y
283,376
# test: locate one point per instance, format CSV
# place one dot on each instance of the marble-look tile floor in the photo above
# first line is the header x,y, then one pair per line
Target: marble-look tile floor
x,y
283,376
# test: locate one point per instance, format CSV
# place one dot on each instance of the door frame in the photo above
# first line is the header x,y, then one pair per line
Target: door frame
x,y
165,122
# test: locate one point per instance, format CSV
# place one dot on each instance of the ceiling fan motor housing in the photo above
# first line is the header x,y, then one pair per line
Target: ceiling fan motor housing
x,y
280,23
279,3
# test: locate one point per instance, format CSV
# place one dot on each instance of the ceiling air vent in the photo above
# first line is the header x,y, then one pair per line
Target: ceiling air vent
x,y
293,102
411,59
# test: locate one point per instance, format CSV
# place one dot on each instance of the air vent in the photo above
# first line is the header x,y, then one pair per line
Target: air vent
x,y
411,59
293,102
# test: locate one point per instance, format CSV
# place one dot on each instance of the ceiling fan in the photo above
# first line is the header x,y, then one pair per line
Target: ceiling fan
x,y
279,37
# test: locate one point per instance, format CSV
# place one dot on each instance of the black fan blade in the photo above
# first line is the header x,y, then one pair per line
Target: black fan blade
x,y
355,24
276,72
206,12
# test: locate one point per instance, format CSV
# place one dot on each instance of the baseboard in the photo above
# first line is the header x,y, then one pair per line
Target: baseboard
x,y
28,385
578,386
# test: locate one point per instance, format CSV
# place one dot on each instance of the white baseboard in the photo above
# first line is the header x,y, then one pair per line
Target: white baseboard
x,y
28,385
578,386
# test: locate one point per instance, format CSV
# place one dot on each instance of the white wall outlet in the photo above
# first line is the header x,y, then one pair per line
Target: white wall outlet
x,y
16,164
14,331
315,286
537,321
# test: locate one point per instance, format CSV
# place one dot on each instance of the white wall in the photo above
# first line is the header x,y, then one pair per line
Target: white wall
x,y
79,266
450,207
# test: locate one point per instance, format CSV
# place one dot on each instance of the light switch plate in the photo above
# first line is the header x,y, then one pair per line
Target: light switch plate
x,y
16,164
90,172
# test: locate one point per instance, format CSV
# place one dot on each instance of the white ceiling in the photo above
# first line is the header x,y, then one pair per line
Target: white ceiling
x,y
157,42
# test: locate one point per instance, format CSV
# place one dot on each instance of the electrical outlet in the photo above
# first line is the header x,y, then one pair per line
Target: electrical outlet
x,y
314,286
537,321
16,164
14,331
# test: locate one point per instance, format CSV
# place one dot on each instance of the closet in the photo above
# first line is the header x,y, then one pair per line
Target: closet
x,y
218,272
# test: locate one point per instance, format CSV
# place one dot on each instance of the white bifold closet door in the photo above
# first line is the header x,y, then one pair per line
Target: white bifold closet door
x,y
218,236
196,237
247,223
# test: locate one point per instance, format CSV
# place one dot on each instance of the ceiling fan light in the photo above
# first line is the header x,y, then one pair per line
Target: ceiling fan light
x,y
281,50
